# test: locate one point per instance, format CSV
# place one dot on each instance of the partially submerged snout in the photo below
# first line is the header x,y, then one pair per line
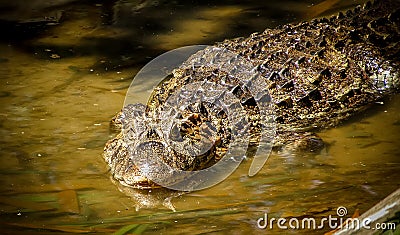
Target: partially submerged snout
x,y
122,166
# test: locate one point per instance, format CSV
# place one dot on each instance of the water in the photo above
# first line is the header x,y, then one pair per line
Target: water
x,y
61,84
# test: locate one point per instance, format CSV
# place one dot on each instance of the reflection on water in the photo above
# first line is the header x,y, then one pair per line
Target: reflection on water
x,y
61,85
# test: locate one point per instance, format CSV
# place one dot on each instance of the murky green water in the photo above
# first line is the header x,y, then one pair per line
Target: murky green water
x,y
61,84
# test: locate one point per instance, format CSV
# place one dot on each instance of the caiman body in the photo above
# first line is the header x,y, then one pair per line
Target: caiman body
x,y
317,74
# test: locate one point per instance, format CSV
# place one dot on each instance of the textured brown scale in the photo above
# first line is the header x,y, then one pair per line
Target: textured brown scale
x,y
318,73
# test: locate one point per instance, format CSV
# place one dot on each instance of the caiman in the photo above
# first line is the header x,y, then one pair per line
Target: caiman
x,y
316,74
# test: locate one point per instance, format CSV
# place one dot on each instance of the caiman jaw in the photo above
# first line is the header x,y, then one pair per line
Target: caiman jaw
x,y
137,180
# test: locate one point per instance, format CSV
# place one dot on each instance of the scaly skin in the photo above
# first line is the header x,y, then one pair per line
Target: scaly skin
x,y
318,73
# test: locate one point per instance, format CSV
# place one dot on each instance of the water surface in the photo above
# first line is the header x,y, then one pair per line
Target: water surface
x,y
62,83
